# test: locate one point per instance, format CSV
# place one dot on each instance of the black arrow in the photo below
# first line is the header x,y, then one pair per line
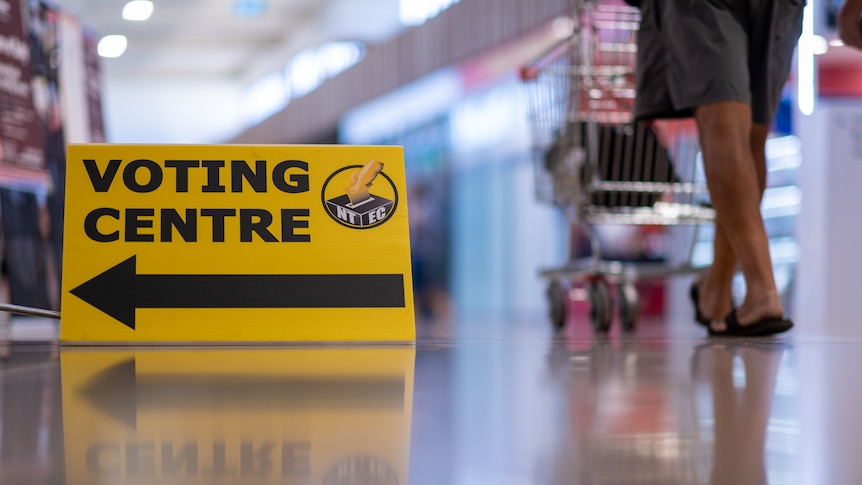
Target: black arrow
x,y
120,290
119,391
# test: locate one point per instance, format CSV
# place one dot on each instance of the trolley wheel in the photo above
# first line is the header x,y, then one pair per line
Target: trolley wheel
x,y
600,305
628,303
557,310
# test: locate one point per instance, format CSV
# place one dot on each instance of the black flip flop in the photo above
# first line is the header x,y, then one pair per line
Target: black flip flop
x,y
764,326
694,294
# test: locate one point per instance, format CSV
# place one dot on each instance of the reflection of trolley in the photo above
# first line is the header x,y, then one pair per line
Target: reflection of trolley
x,y
624,424
600,167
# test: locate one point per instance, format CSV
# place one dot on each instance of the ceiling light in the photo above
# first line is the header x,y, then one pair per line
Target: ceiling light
x,y
112,45
264,98
416,12
304,73
333,58
249,8
138,10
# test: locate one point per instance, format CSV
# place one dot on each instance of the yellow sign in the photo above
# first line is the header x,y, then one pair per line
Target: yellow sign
x,y
236,243
265,416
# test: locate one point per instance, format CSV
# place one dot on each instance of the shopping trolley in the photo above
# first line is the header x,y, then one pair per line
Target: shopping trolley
x,y
593,161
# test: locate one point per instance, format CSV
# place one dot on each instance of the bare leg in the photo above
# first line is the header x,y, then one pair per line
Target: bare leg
x,y
734,182
716,286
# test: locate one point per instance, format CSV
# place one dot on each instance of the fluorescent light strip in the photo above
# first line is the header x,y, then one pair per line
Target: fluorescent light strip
x,y
805,86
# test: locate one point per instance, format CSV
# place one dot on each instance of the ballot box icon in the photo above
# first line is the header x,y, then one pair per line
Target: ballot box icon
x,y
367,199
368,213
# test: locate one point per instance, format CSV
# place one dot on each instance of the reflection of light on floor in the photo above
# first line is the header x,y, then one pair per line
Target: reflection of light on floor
x,y
739,378
29,329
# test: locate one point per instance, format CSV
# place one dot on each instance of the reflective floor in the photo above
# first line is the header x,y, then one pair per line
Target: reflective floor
x,y
475,402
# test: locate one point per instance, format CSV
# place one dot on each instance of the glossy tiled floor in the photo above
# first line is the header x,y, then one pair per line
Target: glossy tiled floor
x,y
475,402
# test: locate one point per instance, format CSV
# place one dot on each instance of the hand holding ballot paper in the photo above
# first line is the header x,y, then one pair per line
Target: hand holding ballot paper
x,y
361,181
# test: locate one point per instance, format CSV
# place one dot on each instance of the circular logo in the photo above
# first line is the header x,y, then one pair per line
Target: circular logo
x,y
360,196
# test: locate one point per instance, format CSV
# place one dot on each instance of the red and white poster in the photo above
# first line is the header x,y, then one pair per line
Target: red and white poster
x,y
24,97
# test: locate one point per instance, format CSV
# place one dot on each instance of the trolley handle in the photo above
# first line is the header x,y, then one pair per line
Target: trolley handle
x,y
531,70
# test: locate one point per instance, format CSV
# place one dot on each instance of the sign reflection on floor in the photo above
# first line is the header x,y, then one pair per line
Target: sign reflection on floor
x,y
287,416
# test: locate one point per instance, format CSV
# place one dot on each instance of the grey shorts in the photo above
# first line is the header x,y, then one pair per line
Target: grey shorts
x,y
695,52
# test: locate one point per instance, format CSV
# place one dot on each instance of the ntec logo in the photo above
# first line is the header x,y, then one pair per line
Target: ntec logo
x,y
348,199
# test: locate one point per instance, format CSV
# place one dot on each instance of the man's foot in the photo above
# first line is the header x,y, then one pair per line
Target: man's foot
x,y
755,308
711,302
